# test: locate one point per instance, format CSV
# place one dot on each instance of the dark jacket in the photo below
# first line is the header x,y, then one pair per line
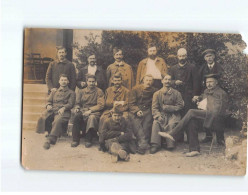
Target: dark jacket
x,y
188,75
55,69
217,103
140,98
112,130
141,71
100,77
204,70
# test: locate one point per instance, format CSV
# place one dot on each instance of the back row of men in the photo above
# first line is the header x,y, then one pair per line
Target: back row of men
x,y
150,110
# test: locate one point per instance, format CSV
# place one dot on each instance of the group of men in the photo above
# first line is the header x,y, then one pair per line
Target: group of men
x,y
133,118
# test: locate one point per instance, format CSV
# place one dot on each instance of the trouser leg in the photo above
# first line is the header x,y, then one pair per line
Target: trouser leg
x,y
155,137
193,127
192,113
44,123
147,126
78,124
57,125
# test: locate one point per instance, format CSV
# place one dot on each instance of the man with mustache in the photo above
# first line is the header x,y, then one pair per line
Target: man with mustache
x,y
166,106
211,112
58,112
89,104
140,102
92,69
58,67
153,65
120,66
184,79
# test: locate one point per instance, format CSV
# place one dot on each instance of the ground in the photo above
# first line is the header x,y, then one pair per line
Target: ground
x,y
63,157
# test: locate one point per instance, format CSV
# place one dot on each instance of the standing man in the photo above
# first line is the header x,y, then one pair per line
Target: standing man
x,y
166,106
184,79
153,65
115,95
210,67
89,104
117,135
120,66
58,111
210,114
140,102
92,69
58,67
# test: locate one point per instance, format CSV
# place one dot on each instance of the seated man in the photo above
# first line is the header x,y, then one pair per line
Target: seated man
x,y
166,106
140,102
117,135
58,111
210,114
89,104
115,95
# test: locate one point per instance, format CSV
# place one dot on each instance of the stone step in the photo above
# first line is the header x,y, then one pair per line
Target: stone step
x,y
35,88
35,101
31,116
29,125
34,108
31,94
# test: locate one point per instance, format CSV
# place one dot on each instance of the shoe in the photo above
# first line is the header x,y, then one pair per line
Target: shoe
x,y
207,139
192,154
221,142
127,158
46,145
166,135
154,149
114,158
141,151
88,144
74,144
122,154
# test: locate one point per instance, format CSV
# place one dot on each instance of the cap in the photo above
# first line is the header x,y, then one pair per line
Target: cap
x,y
208,51
118,109
216,76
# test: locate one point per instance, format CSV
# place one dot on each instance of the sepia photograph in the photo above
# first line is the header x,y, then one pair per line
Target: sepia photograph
x,y
134,101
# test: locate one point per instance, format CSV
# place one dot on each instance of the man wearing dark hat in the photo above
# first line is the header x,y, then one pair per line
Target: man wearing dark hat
x,y
120,66
92,69
58,112
166,106
117,135
210,113
89,104
210,67
58,67
153,65
140,102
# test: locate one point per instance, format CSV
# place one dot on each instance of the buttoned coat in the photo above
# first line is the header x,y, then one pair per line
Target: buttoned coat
x,y
55,69
141,71
126,72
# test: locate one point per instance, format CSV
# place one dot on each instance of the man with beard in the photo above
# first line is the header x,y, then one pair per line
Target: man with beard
x,y
210,67
58,112
211,112
184,79
58,67
120,66
117,135
92,69
115,95
89,104
166,106
140,101
153,65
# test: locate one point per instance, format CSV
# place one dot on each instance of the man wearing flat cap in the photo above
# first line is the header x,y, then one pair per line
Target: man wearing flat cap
x,y
212,106
117,135
120,66
210,67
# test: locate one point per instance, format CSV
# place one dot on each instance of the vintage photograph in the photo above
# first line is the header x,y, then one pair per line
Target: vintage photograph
x,y
134,101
